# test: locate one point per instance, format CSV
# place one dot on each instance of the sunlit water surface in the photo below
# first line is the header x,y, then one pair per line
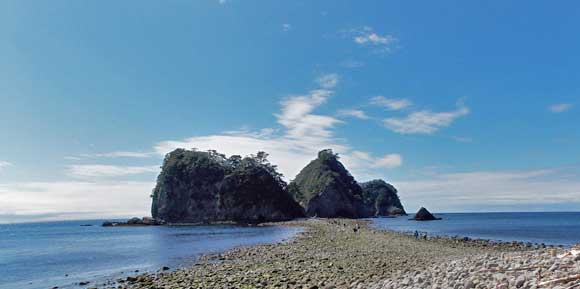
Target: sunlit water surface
x,y
555,228
44,255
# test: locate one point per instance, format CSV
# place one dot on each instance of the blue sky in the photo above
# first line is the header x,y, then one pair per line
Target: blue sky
x,y
462,106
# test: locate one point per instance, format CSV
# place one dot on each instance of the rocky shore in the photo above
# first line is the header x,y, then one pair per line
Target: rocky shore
x,y
540,268
330,254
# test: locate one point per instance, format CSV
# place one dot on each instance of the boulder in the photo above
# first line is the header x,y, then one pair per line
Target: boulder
x,y
424,215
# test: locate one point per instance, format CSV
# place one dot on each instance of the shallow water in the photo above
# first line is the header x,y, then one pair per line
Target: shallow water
x,y
555,228
44,255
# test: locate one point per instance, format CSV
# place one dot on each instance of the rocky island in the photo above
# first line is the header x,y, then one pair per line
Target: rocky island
x,y
326,189
424,215
207,187
382,199
145,221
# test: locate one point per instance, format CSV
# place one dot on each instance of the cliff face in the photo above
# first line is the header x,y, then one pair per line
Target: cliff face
x,y
382,199
326,189
196,186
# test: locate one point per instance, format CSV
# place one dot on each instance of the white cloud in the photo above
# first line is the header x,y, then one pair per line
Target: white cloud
x,y
353,113
373,38
386,161
328,81
304,134
126,154
33,201
290,154
222,2
560,107
389,161
367,37
5,164
286,27
492,190
109,170
425,121
116,154
390,103
297,118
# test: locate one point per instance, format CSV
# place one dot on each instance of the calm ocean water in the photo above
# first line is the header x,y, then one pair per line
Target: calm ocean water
x,y
558,228
41,255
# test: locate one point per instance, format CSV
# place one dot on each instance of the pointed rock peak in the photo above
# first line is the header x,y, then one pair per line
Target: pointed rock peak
x,y
327,155
326,189
424,215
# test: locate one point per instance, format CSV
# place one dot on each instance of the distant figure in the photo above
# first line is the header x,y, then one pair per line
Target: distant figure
x,y
356,228
425,236
416,234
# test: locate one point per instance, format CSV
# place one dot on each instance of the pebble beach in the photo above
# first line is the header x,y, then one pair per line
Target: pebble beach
x,y
340,253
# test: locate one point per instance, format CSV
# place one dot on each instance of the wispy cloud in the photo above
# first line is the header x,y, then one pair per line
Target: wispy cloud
x,y
298,119
366,36
425,121
109,170
328,81
560,107
390,103
286,27
126,154
486,190
32,201
357,113
116,154
303,134
5,164
386,161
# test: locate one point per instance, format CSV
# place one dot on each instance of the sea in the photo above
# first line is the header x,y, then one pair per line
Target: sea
x,y
51,254
550,228
62,254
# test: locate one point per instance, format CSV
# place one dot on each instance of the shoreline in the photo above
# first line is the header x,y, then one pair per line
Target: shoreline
x,y
482,241
326,254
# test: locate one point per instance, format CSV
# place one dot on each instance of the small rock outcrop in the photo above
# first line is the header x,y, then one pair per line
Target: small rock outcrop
x,y
381,199
424,215
145,221
207,187
326,189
